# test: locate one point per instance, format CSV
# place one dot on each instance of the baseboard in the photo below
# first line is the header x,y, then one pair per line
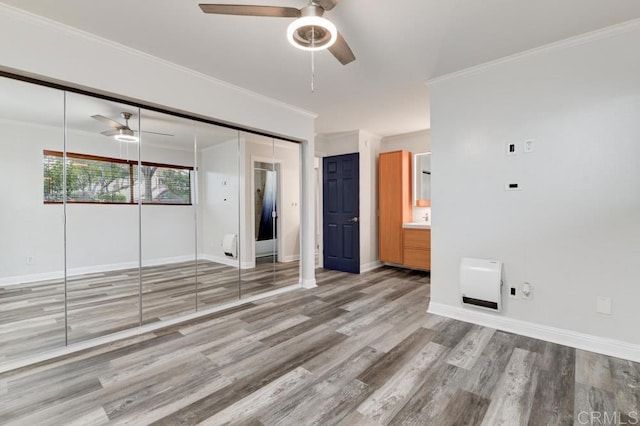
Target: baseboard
x,y
229,261
366,267
290,258
308,283
71,272
588,342
57,275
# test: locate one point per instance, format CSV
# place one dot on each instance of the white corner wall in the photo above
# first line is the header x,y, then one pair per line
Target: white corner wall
x,y
573,231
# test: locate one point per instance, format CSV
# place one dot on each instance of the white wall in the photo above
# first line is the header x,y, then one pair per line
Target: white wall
x,y
28,227
415,143
573,231
369,147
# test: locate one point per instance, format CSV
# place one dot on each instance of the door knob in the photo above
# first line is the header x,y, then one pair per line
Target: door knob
x,y
353,219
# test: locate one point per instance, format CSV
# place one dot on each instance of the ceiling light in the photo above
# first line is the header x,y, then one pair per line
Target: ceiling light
x,y
126,135
312,33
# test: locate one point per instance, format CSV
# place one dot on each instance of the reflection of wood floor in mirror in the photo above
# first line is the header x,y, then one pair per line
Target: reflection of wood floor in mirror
x,y
32,315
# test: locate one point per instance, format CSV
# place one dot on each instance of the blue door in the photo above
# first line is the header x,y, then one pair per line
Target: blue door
x,y
341,211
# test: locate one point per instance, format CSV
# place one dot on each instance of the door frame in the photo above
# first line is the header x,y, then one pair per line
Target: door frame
x,y
319,234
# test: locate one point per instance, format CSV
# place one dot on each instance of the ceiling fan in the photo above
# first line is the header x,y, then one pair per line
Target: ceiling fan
x,y
310,31
122,132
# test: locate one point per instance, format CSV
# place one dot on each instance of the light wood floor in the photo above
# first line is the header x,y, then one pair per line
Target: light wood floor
x,y
357,350
32,315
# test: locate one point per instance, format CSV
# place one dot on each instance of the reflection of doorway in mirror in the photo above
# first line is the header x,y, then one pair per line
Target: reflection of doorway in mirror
x,y
422,180
265,202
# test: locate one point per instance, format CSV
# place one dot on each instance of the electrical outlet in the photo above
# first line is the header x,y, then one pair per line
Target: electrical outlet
x,y
527,291
29,260
513,293
603,305
529,146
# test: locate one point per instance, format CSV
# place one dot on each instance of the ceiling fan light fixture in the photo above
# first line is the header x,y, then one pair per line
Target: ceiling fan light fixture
x,y
312,33
126,135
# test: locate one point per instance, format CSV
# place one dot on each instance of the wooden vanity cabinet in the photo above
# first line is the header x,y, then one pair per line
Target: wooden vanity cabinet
x,y
394,203
417,248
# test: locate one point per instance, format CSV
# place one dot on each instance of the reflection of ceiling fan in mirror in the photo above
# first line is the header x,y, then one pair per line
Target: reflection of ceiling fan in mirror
x,y
122,132
310,31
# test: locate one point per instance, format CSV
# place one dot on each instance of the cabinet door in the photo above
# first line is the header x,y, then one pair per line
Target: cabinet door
x,y
394,203
417,239
419,259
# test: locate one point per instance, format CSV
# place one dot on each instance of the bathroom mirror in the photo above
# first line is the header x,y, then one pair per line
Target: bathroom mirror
x,y
422,179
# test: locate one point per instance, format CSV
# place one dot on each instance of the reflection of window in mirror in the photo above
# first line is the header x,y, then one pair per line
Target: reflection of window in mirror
x,y
422,179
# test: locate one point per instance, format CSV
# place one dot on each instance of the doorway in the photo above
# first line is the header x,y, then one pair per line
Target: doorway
x,y
341,212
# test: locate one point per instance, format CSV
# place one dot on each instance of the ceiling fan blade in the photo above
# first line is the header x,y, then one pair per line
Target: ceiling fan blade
x,y
327,4
341,50
110,132
108,121
157,133
249,10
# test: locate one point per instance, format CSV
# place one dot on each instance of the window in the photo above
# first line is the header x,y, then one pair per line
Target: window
x,y
93,179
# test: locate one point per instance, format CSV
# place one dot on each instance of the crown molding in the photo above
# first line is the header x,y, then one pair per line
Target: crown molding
x,y
391,138
558,45
31,18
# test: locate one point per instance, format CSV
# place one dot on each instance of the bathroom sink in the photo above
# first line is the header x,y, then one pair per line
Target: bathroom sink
x,y
416,225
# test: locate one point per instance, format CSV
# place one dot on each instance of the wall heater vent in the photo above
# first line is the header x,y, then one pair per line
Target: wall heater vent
x,y
481,283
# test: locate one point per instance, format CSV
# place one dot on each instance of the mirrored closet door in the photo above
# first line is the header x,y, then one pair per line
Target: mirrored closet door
x,y
102,216
218,211
114,217
271,214
32,296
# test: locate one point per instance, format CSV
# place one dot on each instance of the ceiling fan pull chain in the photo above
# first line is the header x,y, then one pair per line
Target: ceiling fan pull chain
x,y
313,62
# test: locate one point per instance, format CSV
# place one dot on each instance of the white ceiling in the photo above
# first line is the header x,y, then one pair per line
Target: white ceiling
x,y
398,45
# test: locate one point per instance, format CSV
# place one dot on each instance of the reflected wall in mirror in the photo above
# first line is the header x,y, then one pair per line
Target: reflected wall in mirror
x,y
218,210
32,314
422,179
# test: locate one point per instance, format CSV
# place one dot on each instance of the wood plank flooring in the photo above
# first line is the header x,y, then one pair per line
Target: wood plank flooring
x,y
357,350
32,315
